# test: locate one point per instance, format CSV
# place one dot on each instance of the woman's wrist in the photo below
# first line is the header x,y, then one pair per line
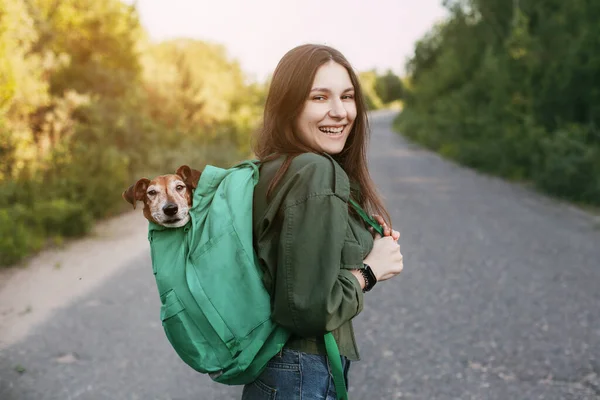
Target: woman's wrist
x,y
360,277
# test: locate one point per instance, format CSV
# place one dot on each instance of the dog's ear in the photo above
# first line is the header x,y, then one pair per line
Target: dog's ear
x,y
189,176
136,192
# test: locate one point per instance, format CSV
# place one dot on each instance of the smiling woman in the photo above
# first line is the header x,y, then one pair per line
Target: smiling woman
x,y
316,254
328,114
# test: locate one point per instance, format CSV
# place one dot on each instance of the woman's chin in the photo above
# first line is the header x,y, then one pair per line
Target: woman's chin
x,y
333,149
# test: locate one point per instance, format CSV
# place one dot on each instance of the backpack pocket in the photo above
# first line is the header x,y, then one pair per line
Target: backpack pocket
x,y
185,337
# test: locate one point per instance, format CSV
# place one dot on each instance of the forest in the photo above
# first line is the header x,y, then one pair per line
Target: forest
x,y
512,88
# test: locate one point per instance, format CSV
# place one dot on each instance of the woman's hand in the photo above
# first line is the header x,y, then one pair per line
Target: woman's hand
x,y
385,259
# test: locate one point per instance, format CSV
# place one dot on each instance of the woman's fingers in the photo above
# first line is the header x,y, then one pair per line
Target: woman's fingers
x,y
386,229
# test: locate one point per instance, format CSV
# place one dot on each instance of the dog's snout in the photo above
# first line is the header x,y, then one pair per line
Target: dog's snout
x,y
170,209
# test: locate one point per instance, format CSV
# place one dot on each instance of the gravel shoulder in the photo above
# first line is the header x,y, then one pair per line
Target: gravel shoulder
x,y
54,278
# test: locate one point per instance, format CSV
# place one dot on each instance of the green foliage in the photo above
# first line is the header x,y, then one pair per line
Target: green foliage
x,y
389,87
570,167
512,91
61,217
195,76
368,81
96,42
21,85
17,240
23,228
88,106
381,90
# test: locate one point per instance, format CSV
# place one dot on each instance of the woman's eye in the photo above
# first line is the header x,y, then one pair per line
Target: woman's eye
x,y
180,187
319,98
348,97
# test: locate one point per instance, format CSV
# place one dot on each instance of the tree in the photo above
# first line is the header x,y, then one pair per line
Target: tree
x,y
193,81
22,86
96,42
389,87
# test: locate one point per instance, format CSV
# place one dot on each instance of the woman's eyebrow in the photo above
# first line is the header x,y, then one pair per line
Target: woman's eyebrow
x,y
317,89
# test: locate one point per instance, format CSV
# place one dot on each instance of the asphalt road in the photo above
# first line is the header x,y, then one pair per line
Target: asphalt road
x,y
499,300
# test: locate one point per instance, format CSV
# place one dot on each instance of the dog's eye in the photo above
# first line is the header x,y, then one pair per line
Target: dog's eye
x,y
180,187
151,192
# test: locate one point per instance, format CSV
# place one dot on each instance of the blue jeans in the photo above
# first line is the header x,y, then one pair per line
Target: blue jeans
x,y
293,375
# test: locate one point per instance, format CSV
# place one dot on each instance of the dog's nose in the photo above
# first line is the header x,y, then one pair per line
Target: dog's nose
x,y
170,209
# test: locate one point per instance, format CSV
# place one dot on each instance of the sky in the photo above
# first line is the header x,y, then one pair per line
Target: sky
x,y
372,34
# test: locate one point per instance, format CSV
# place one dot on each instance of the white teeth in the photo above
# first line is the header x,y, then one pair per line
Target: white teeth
x,y
332,130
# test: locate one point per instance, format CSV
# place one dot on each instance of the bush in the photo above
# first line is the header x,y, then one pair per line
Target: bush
x,y
60,217
570,166
17,239
23,229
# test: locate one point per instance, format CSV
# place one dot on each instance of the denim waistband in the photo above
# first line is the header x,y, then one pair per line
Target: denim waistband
x,y
294,357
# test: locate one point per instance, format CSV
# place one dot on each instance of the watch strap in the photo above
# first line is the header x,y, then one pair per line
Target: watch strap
x,y
369,276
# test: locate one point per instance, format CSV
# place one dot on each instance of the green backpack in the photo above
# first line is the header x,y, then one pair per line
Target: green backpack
x,y
215,311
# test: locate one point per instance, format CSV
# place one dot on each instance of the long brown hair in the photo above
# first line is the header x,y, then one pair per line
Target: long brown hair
x,y
290,87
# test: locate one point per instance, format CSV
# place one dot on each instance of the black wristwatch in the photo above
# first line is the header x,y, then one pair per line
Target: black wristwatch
x,y
370,279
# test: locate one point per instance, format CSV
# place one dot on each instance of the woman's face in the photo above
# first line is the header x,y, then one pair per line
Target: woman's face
x,y
329,111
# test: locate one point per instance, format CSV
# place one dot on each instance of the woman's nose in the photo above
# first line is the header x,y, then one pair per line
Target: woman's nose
x,y
337,109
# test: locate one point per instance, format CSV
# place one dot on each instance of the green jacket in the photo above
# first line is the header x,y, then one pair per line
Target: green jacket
x,y
307,242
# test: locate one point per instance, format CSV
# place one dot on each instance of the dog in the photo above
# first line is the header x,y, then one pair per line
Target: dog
x,y
167,198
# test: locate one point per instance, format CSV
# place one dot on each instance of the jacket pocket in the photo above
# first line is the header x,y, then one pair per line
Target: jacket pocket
x,y
352,255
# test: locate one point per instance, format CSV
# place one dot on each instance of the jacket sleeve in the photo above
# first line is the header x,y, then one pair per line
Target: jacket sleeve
x,y
313,294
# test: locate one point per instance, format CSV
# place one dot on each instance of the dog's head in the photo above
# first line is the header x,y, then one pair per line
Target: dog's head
x,y
167,198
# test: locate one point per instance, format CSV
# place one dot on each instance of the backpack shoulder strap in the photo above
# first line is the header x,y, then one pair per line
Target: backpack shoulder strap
x,y
368,219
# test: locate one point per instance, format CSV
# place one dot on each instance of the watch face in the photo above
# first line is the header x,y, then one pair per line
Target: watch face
x,y
371,274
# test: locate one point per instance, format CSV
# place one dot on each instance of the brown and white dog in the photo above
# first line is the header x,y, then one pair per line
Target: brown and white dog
x,y
167,198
